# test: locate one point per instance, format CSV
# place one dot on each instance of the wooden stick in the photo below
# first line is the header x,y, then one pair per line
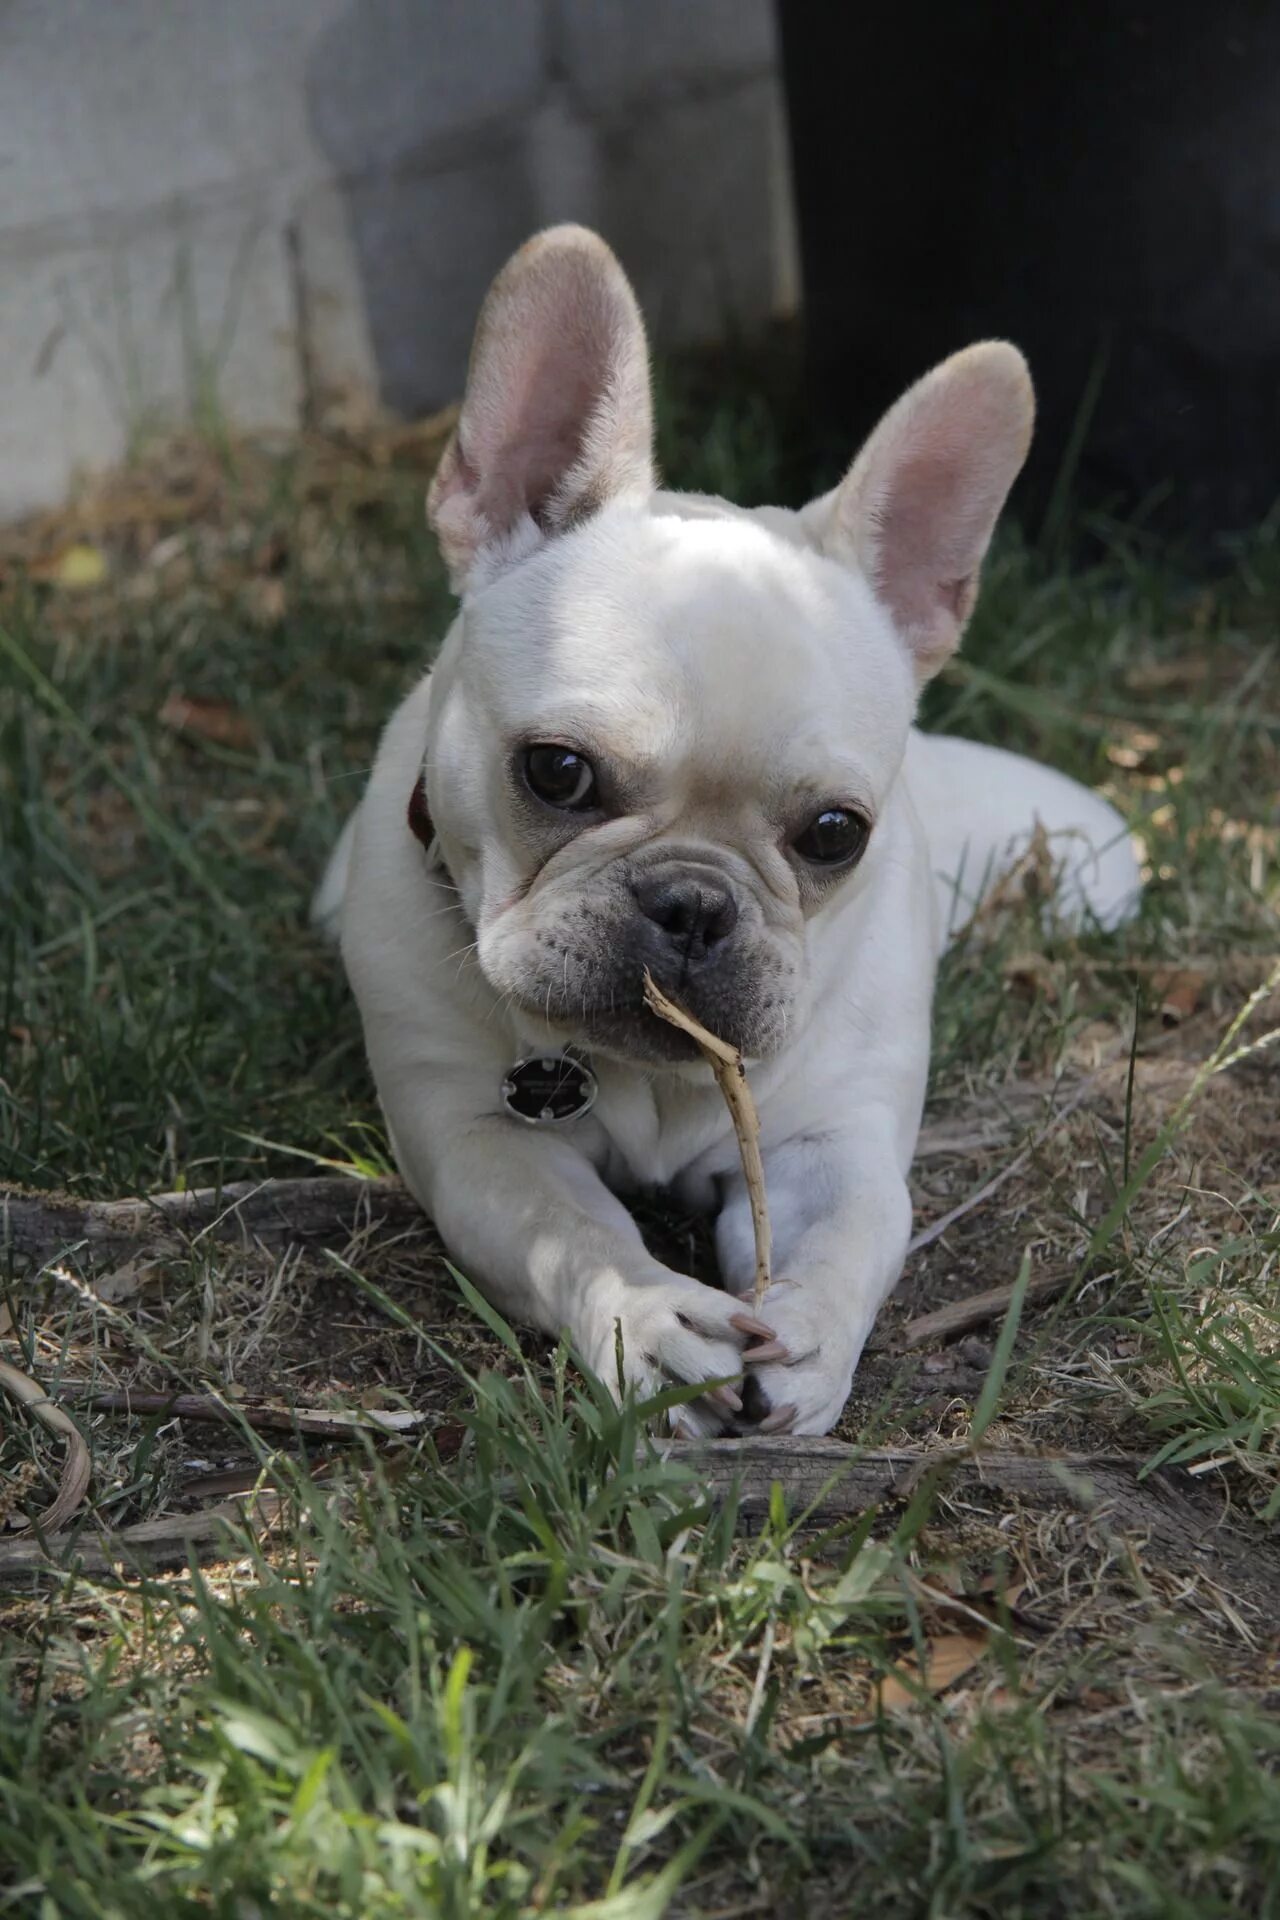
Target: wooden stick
x,y
960,1316
77,1465
169,1542
726,1064
37,1227
1175,1516
829,1479
324,1423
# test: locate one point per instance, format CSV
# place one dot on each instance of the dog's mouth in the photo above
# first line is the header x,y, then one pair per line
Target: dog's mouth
x,y
624,1028
636,1036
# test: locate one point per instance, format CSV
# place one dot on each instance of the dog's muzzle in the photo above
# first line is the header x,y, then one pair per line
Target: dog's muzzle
x,y
688,913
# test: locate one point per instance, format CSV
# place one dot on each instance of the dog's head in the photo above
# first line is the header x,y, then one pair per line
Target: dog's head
x,y
662,730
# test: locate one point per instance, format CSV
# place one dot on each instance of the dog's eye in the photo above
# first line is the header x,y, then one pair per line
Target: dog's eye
x,y
561,778
835,838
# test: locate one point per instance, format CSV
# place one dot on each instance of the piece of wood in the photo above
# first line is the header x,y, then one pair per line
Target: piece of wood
x,y
835,1478
961,1316
1177,1518
151,1544
948,1657
726,1063
36,1228
942,1141
830,1480
321,1422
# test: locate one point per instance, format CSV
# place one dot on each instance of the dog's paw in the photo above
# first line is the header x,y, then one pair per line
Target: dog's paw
x,y
799,1381
674,1331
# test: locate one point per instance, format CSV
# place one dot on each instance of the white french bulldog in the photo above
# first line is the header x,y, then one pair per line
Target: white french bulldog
x,y
666,733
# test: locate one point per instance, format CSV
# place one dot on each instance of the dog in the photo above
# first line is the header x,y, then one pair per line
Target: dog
x,y
666,733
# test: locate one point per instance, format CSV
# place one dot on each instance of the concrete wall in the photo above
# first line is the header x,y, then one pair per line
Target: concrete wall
x,y
267,211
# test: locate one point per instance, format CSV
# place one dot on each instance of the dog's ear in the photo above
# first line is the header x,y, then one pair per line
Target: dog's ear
x,y
917,509
557,416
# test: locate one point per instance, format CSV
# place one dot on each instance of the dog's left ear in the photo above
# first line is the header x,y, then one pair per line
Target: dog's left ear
x,y
917,509
557,416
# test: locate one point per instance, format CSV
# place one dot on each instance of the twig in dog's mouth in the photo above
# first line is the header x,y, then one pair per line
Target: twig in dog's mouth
x,y
731,1078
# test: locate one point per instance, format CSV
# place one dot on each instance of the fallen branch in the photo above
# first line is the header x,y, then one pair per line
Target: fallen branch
x,y
263,1417
169,1542
941,1141
77,1467
731,1078
834,1478
36,1228
825,1480
39,1227
829,1480
961,1316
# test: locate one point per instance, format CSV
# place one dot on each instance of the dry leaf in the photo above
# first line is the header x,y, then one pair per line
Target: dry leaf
x,y
984,1595
1179,994
210,719
124,1281
76,568
1008,1596
1033,975
948,1656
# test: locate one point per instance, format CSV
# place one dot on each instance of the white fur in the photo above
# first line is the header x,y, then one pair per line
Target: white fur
x,y
729,652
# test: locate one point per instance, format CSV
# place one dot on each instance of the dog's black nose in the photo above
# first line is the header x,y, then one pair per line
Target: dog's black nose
x,y
696,910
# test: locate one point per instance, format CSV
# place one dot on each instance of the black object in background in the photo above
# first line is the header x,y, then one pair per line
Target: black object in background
x,y
1099,183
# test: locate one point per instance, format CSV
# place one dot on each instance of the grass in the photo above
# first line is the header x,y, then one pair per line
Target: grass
x,y
1222,1401
507,1689
517,1666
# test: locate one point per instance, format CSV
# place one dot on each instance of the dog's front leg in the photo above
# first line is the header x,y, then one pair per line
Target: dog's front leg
x,y
529,1220
841,1217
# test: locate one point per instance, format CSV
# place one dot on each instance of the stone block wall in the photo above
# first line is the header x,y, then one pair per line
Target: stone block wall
x,y
263,212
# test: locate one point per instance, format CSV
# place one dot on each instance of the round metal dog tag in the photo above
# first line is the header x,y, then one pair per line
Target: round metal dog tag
x,y
548,1088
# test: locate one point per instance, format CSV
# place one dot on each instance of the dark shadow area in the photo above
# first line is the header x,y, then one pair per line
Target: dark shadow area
x,y
1097,184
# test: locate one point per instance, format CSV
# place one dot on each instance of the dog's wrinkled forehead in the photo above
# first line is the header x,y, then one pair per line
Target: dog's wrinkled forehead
x,y
706,644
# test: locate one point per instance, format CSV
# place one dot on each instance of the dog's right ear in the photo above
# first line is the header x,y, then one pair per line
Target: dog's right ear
x,y
557,416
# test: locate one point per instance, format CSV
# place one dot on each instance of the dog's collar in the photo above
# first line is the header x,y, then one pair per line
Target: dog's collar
x,y
542,1089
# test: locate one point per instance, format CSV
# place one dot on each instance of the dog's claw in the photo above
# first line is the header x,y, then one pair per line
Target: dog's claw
x,y
779,1420
726,1397
748,1323
771,1350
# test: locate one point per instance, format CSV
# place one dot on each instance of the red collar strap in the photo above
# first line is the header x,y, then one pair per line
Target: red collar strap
x,y
422,827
